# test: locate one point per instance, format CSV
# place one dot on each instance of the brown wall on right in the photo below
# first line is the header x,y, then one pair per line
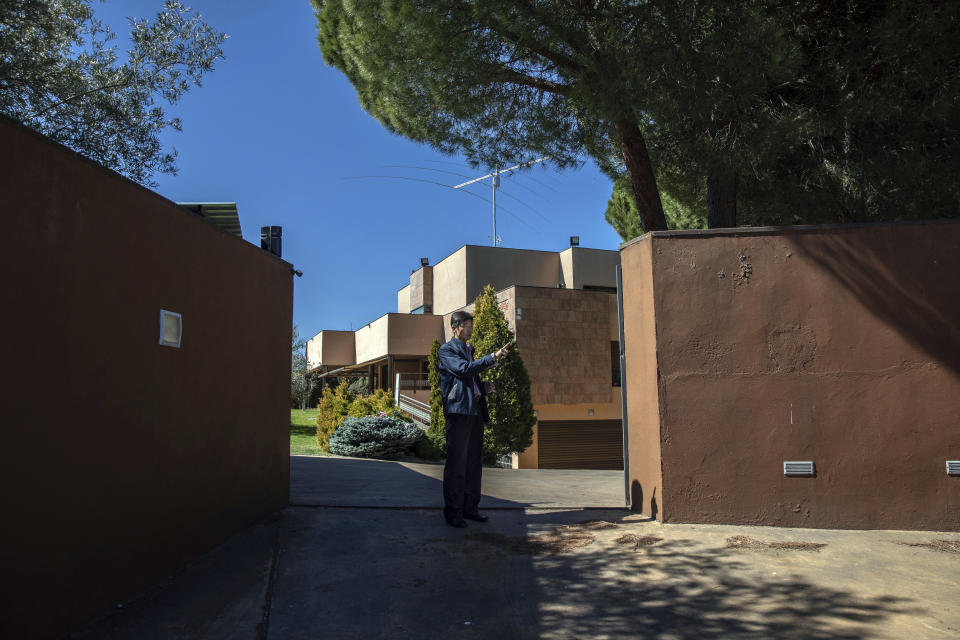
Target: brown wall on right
x,y
836,345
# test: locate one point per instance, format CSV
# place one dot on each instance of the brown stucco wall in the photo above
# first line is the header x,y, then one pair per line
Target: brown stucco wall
x,y
420,289
641,379
121,458
331,349
413,335
583,267
502,268
450,283
838,345
403,300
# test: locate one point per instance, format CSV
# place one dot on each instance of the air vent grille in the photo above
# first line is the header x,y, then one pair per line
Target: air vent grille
x,y
797,468
953,467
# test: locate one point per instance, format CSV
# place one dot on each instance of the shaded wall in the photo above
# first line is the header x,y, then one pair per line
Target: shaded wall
x,y
413,335
837,345
121,458
644,455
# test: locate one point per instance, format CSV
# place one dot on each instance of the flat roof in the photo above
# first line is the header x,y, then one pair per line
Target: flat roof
x,y
221,214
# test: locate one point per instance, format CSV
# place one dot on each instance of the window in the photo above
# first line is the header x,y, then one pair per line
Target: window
x,y
615,363
596,287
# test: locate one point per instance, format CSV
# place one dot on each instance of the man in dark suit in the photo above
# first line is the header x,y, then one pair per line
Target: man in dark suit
x,y
465,412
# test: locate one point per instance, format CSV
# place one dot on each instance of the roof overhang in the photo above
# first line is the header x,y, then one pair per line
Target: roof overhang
x,y
220,214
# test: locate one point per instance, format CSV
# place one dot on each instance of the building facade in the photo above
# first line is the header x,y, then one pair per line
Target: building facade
x,y
562,308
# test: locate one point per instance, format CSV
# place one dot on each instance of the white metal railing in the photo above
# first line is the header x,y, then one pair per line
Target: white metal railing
x,y
412,382
419,411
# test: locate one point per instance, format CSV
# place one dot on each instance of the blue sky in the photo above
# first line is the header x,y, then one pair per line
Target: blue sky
x,y
277,131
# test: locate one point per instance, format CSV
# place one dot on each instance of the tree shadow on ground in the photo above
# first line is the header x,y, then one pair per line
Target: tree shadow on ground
x,y
679,589
303,430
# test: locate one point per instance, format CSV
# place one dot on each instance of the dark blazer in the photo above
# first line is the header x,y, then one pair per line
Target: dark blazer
x,y
458,371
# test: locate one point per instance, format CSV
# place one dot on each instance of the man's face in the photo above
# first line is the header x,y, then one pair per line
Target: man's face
x,y
465,330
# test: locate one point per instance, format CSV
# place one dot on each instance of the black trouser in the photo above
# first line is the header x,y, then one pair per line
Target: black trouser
x,y
461,474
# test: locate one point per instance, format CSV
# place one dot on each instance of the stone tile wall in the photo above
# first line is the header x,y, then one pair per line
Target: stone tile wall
x,y
564,338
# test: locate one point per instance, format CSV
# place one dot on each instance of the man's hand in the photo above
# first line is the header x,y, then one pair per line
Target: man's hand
x,y
502,352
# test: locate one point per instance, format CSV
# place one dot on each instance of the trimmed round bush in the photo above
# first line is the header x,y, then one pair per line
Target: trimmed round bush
x,y
378,436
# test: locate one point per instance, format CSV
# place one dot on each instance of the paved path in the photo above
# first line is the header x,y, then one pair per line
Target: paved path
x,y
351,482
345,571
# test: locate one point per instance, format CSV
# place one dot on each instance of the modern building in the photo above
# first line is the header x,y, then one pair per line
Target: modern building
x,y
562,308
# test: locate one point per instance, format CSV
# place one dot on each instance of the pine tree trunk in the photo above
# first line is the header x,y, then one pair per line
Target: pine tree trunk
x,y
721,199
640,172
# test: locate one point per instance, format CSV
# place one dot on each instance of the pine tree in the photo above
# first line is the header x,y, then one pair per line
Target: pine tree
x,y
511,410
437,432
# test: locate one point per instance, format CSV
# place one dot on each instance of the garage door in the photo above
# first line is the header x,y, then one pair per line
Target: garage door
x,y
587,444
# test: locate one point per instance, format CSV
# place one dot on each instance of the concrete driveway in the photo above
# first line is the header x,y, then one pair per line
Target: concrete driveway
x,y
363,552
352,482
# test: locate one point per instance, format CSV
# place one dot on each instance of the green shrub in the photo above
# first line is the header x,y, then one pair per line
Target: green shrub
x,y
333,408
429,448
437,432
338,404
511,409
378,402
374,437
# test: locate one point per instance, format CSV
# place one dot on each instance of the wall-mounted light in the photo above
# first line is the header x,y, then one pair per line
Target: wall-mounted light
x,y
171,328
574,241
953,467
424,262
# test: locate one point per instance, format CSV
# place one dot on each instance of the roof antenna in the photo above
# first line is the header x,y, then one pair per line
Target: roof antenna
x,y
494,183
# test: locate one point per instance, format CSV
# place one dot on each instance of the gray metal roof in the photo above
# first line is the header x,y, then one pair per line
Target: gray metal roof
x,y
222,214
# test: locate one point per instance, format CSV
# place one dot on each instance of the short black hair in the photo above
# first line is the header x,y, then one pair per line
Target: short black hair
x,y
459,317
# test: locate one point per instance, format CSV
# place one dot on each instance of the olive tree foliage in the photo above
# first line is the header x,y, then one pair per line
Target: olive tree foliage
x,y
301,385
61,74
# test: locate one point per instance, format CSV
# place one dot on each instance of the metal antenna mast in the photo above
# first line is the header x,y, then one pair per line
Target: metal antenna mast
x,y
494,183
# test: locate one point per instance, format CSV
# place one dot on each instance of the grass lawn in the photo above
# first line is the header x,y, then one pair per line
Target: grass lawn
x,y
303,432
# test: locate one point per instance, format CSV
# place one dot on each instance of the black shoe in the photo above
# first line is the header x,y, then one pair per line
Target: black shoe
x,y
477,517
459,523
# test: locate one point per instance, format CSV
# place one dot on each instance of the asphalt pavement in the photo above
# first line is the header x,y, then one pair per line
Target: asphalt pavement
x,y
363,552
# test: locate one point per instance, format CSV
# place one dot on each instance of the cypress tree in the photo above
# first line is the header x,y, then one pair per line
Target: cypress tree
x,y
438,425
511,410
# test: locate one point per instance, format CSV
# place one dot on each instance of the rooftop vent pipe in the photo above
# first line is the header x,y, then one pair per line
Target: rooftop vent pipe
x,y
270,240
